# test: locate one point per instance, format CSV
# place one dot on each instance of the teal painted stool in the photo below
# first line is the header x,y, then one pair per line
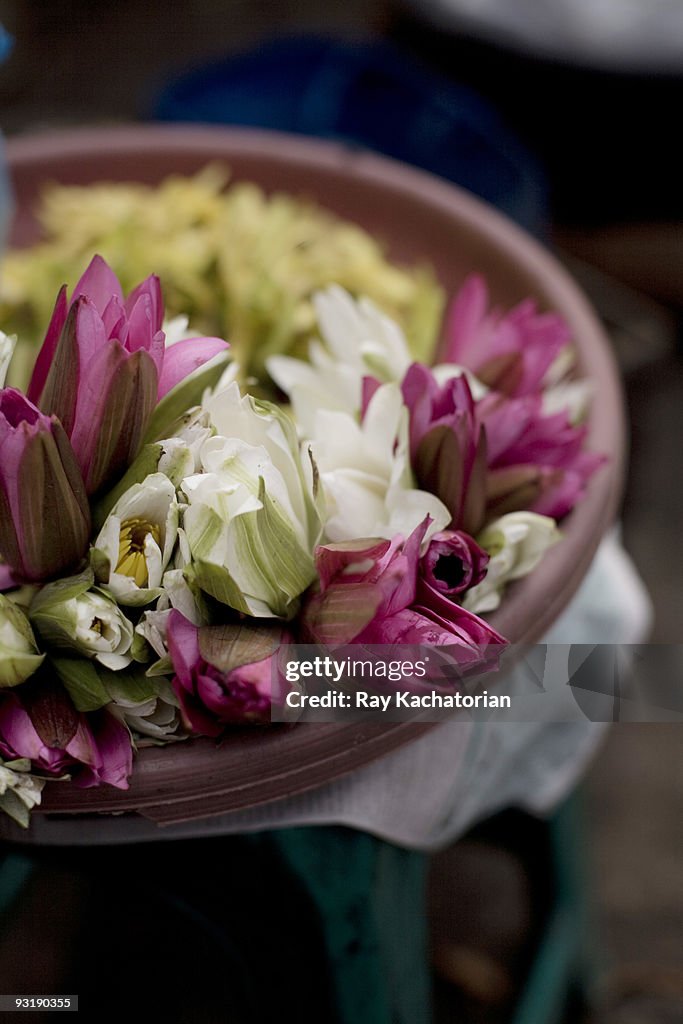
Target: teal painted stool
x,y
370,896
327,920
15,872
563,973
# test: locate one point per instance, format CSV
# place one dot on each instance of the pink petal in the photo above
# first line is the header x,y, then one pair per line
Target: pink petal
x,y
49,347
151,287
103,748
332,560
369,387
197,718
141,327
465,318
6,578
99,283
465,623
183,358
114,320
17,734
115,753
397,577
90,333
183,646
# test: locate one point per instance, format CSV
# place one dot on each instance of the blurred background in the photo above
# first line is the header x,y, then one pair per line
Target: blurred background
x,y
567,116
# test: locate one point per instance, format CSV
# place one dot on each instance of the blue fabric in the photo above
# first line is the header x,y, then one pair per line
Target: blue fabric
x,y
371,95
6,43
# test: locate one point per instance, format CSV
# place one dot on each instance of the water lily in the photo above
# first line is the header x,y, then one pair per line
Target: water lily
x,y
371,593
19,654
20,791
509,352
7,346
39,722
453,563
252,517
104,366
448,444
136,542
153,718
358,341
516,544
44,514
366,474
223,674
536,460
71,615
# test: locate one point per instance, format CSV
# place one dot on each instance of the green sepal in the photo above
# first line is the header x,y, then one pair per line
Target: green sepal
x,y
15,807
218,583
100,565
144,465
60,591
162,667
140,649
82,682
17,666
188,393
44,612
130,685
341,613
230,646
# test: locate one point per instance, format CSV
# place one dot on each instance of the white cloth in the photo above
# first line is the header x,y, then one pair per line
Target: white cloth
x,y
624,35
432,790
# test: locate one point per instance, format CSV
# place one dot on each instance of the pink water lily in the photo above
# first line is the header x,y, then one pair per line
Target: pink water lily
x,y
453,563
447,444
39,722
213,691
104,366
509,352
44,513
370,593
536,461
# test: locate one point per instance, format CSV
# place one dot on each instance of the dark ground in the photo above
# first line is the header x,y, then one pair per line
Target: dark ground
x,y
77,62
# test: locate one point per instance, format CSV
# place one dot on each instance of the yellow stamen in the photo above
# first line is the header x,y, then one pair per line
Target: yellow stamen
x,y
134,533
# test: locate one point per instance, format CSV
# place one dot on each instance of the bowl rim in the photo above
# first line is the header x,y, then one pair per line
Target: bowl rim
x,y
288,757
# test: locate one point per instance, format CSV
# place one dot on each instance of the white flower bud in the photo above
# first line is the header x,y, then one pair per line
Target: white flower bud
x,y
136,542
19,654
516,543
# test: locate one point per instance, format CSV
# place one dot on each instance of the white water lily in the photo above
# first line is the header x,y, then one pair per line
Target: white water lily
x,y
366,476
19,654
574,396
359,334
101,630
562,391
177,328
152,630
516,543
443,372
180,454
137,540
253,518
7,345
69,615
359,341
20,791
154,719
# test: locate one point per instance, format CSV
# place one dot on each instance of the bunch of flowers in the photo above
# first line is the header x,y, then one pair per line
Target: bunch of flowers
x,y
163,531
